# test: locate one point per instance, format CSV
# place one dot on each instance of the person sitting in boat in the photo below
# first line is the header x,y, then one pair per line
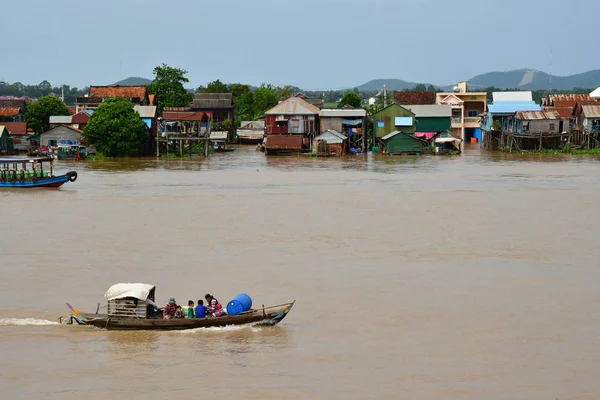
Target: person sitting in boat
x,y
214,307
190,310
170,309
151,308
179,313
201,311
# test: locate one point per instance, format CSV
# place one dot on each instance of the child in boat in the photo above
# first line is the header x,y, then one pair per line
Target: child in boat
x,y
170,309
214,307
179,313
201,311
190,310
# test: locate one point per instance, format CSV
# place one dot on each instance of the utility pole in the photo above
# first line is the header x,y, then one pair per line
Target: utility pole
x,y
384,97
207,138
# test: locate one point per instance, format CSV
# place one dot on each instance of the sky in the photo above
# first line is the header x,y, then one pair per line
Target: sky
x,y
312,44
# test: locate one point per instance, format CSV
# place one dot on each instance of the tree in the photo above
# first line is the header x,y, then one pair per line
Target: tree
x,y
214,87
350,98
115,129
431,88
263,98
168,87
284,92
420,88
38,113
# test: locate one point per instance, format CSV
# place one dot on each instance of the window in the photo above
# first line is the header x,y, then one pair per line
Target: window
x,y
551,126
52,142
295,123
472,113
403,121
380,124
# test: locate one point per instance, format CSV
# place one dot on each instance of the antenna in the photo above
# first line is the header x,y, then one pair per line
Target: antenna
x,y
550,67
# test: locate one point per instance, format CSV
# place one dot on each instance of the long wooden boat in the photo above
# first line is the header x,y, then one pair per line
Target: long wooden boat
x,y
31,173
128,311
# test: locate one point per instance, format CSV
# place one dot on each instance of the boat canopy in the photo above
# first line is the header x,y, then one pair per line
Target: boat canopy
x,y
139,291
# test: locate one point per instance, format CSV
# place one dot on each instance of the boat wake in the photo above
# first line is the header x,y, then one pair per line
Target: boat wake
x,y
25,321
229,328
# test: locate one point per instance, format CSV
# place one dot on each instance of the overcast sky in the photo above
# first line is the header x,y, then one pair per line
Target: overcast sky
x,y
314,44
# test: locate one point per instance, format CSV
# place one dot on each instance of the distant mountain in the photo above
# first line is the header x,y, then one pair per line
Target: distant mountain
x,y
524,79
528,79
133,81
390,84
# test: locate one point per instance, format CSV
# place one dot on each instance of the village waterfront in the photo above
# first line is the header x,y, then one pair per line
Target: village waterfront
x,y
464,277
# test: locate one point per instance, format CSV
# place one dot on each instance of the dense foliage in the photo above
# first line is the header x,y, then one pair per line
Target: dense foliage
x,y
42,89
350,98
38,112
115,129
168,87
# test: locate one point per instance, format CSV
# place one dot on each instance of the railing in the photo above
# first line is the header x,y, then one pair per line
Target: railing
x,y
456,120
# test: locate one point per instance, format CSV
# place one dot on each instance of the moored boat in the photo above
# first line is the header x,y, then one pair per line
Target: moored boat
x,y
130,306
32,173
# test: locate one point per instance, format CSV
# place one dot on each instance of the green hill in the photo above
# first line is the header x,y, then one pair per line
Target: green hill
x,y
133,81
529,79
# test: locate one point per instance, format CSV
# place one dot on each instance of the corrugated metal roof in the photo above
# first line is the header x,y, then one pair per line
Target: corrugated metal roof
x,y
343,112
565,100
430,110
293,106
390,135
591,111
207,101
60,119
9,111
16,128
507,107
283,142
512,96
252,125
537,115
145,111
562,112
331,137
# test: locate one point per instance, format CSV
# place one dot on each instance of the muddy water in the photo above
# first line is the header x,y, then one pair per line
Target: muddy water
x,y
474,277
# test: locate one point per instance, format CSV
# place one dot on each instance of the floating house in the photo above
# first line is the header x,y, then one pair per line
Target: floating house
x,y
6,143
294,118
504,107
546,121
251,132
590,116
431,117
446,143
399,142
329,143
349,121
58,133
391,119
467,110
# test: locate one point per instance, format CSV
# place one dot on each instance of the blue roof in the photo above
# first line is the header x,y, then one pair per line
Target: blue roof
x,y
90,112
511,107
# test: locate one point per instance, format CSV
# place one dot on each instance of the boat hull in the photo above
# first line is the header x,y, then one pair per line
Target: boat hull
x,y
253,317
53,182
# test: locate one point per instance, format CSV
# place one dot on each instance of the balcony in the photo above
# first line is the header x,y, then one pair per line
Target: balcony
x,y
472,122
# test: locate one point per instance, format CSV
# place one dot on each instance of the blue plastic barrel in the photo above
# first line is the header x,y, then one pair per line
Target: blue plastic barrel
x,y
240,303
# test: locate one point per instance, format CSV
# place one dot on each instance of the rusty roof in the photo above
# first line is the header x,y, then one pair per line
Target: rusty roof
x,y
118,91
9,111
415,98
293,106
16,128
72,110
537,115
563,112
591,111
565,100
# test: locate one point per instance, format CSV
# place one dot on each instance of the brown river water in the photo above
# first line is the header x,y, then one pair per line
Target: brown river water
x,y
470,277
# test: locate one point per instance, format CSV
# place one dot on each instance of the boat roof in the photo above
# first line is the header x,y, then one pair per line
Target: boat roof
x,y
136,290
8,160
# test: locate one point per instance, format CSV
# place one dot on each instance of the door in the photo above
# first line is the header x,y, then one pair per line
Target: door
x,y
560,126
